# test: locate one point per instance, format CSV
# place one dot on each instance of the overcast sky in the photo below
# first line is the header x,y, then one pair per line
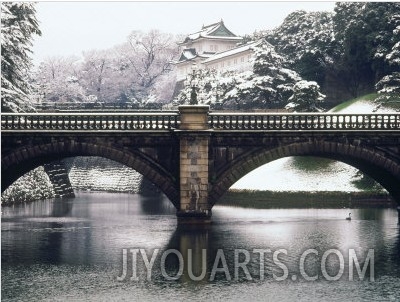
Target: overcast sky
x,y
68,28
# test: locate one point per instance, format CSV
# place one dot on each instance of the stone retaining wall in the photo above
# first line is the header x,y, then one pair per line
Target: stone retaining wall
x,y
101,174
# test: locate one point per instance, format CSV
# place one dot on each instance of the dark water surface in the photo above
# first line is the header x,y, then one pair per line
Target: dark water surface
x,y
71,250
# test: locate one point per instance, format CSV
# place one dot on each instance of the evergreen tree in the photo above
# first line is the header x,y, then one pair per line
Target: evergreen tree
x,y
18,26
307,42
271,83
364,32
389,86
306,97
389,89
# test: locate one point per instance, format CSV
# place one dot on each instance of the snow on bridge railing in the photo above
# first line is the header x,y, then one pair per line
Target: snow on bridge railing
x,y
90,121
303,121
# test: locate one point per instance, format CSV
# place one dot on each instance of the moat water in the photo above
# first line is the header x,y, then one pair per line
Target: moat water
x,y
72,250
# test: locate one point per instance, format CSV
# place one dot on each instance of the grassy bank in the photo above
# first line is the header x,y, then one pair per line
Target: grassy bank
x,y
273,199
368,97
394,105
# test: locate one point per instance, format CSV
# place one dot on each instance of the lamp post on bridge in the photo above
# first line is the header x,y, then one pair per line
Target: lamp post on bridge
x,y
193,80
216,98
194,116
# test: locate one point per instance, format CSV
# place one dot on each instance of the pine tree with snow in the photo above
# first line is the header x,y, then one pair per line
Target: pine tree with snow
x,y
269,85
306,40
306,97
364,32
18,26
388,87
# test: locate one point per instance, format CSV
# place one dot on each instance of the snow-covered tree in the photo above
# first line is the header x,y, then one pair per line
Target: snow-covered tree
x,y
382,20
306,97
353,67
364,32
18,27
270,84
306,40
389,89
393,58
389,86
200,84
106,76
163,88
138,72
58,79
147,57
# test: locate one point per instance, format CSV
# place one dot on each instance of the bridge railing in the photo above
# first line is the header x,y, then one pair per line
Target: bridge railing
x,y
89,121
216,120
306,121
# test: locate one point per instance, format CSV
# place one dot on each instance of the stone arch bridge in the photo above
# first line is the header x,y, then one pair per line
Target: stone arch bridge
x,y
194,155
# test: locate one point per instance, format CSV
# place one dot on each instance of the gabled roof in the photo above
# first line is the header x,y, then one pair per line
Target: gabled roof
x,y
189,54
218,29
213,31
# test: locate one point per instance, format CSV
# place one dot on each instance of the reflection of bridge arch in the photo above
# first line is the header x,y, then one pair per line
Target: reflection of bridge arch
x,y
383,169
21,160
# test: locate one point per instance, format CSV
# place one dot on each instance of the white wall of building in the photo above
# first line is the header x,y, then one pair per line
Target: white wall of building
x,y
239,62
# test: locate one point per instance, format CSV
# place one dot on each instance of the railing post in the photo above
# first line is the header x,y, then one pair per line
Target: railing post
x,y
194,117
194,136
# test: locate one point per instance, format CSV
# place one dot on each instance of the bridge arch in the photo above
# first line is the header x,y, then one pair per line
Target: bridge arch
x,y
384,170
22,160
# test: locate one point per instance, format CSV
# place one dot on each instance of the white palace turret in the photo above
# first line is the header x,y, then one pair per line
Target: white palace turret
x,y
214,47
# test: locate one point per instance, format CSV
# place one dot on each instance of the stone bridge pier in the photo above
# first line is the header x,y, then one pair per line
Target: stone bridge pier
x,y
194,140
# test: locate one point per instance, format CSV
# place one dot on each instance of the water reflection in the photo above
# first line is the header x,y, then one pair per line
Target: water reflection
x,y
61,207
196,239
155,204
81,241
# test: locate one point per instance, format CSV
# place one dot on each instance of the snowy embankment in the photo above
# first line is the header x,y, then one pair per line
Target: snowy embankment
x,y
34,185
